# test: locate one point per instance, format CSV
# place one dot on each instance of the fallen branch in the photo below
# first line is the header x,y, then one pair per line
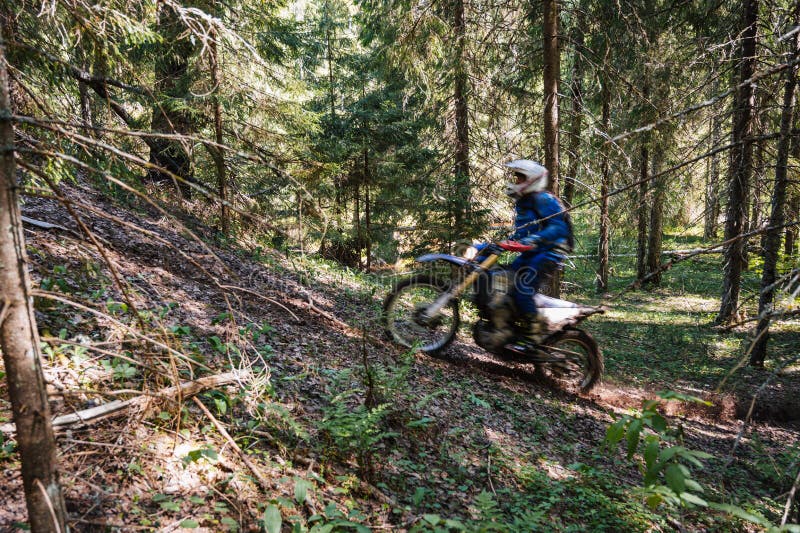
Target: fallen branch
x,y
43,224
119,407
246,460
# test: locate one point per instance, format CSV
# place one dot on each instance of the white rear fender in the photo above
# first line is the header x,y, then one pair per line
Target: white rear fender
x,y
559,312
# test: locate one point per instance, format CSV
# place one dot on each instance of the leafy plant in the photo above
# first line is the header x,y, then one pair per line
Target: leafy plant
x,y
666,464
207,452
666,467
120,369
353,428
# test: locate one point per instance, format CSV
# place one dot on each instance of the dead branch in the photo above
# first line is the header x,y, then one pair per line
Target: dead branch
x,y
119,407
222,431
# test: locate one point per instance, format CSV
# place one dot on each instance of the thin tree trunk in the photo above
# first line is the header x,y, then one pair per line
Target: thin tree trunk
x,y
641,208
85,103
8,29
757,177
216,153
712,183
656,233
552,69
367,222
741,168
19,340
602,248
790,244
357,223
576,124
461,88
338,181
772,241
793,202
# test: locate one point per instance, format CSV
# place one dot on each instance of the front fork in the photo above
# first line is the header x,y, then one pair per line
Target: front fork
x,y
435,308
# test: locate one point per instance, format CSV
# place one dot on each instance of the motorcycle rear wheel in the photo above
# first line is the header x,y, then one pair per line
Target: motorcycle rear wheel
x,y
402,307
583,363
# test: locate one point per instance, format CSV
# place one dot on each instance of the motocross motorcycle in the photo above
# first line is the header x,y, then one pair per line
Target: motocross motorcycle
x,y
422,312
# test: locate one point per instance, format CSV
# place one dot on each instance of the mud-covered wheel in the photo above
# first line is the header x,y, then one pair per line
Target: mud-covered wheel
x,y
402,315
582,365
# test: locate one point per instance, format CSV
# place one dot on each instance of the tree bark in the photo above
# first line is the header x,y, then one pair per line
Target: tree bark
x,y
602,248
552,68
656,232
338,182
99,107
19,340
772,240
357,223
463,208
85,104
8,29
740,169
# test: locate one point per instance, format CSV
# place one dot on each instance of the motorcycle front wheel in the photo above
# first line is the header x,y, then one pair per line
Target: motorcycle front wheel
x,y
403,319
582,364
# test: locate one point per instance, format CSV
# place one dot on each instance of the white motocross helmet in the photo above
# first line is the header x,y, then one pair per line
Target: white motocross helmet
x,y
535,178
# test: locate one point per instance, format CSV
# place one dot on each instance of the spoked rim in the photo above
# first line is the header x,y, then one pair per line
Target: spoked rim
x,y
576,372
402,316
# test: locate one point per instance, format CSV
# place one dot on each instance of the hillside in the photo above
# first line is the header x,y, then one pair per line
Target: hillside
x,y
334,428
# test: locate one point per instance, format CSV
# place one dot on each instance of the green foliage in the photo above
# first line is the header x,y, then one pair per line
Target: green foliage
x,y
351,428
121,369
208,453
7,447
666,473
666,464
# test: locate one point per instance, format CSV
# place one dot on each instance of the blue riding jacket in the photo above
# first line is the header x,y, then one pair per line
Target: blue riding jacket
x,y
539,219
550,233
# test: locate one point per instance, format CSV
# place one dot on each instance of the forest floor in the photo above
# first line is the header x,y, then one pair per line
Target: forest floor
x,y
345,432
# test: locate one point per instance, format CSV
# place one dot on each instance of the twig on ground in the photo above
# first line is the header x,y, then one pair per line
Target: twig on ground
x,y
246,460
489,473
790,500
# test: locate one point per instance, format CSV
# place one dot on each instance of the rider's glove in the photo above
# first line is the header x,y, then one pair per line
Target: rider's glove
x,y
531,240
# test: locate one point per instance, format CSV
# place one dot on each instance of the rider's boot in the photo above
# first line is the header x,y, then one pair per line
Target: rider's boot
x,y
533,330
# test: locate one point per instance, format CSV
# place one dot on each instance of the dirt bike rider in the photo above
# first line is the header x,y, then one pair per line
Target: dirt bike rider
x,y
541,222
